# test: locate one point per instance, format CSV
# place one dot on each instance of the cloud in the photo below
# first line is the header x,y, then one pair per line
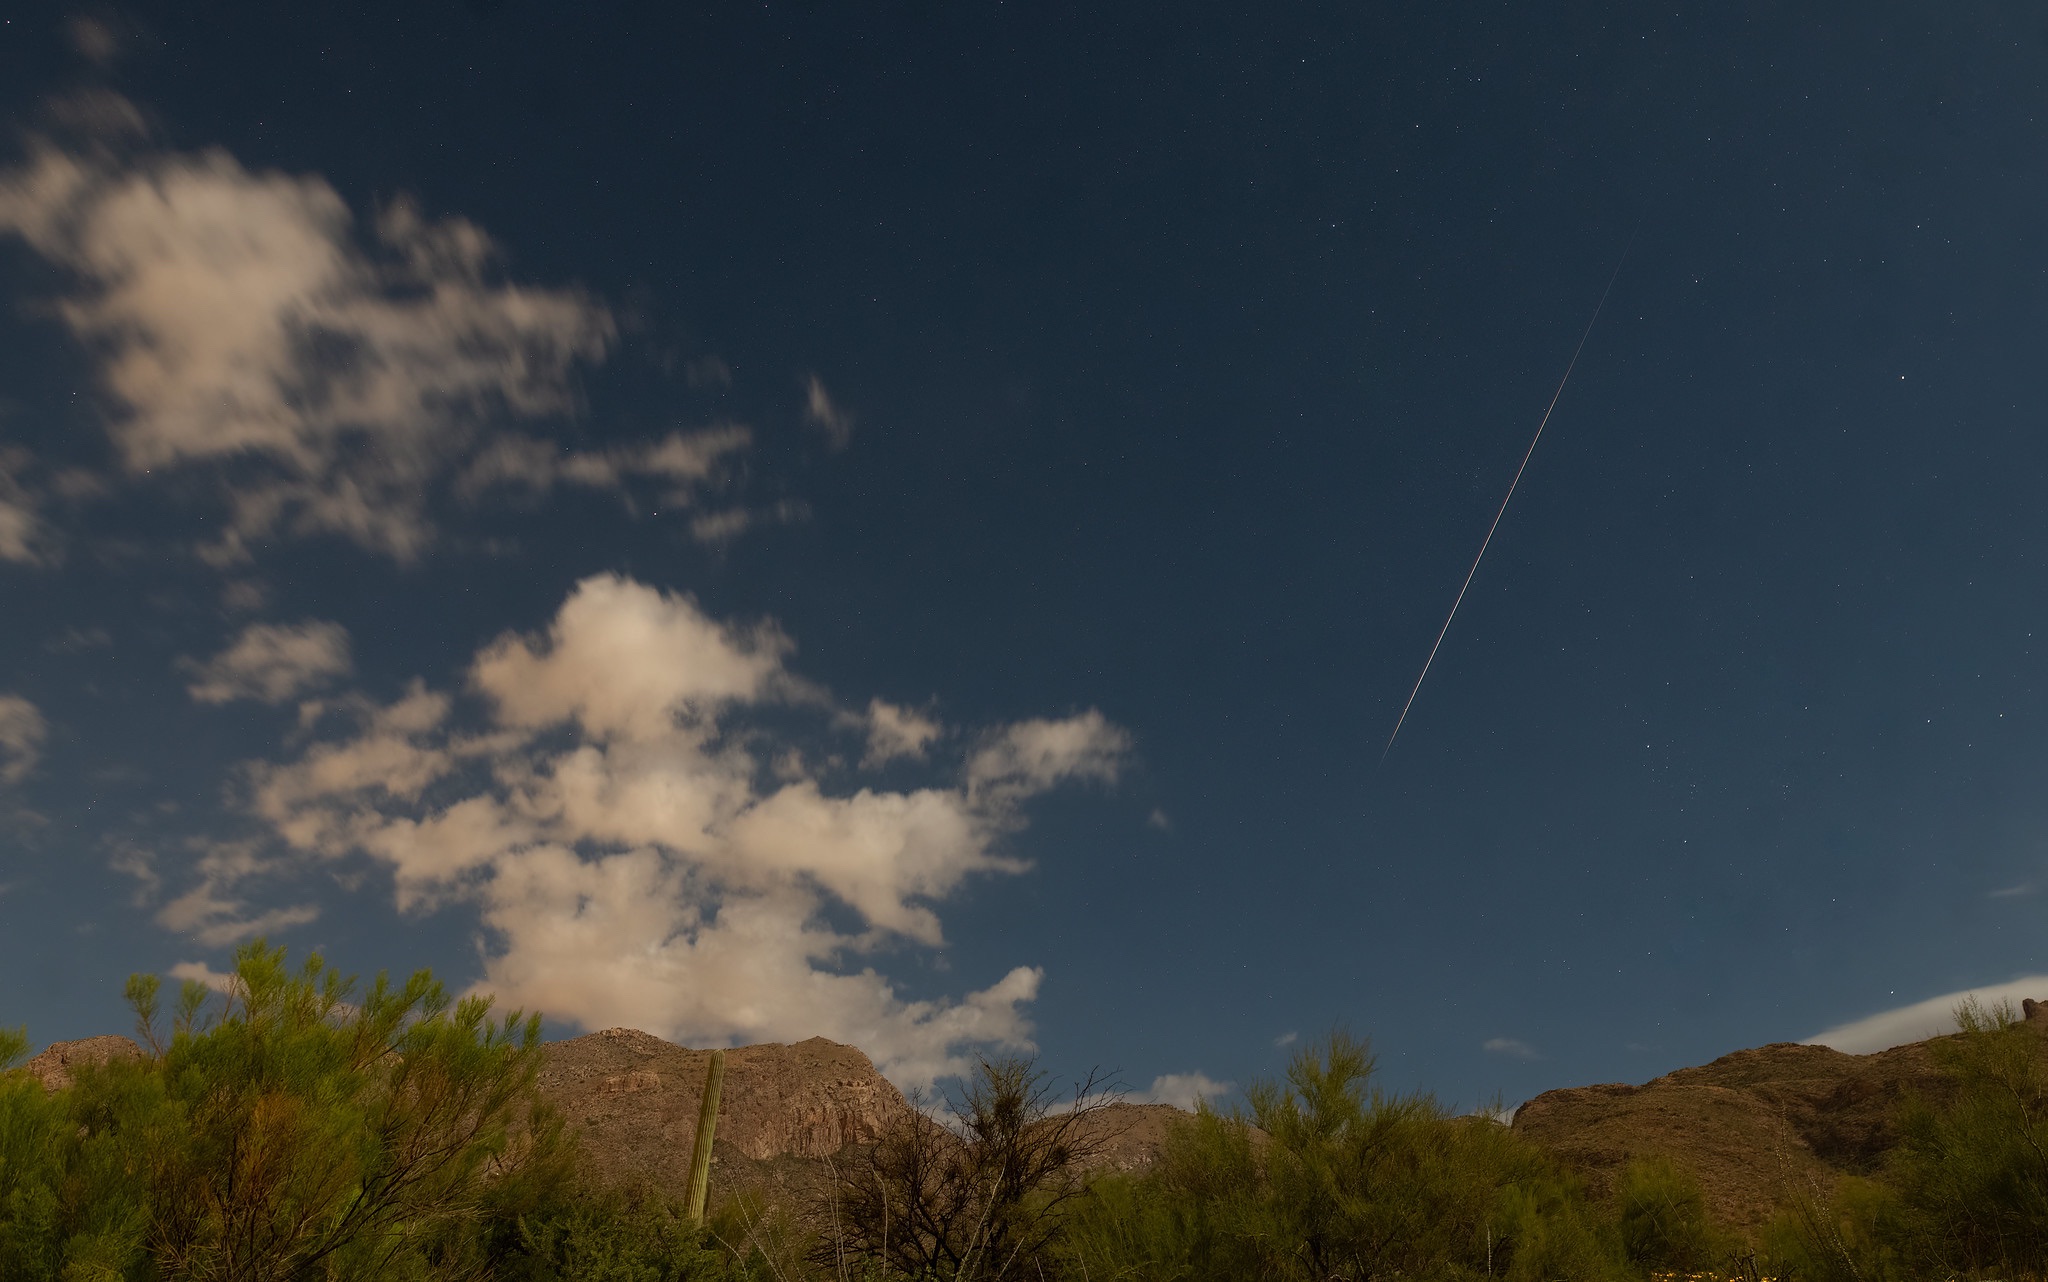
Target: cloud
x,y
1032,756
239,318
623,660
1185,1090
820,412
75,640
93,39
22,731
211,914
721,527
1923,1019
1512,1047
220,982
638,831
1286,1039
2013,892
23,536
1157,819
895,732
684,459
272,662
139,862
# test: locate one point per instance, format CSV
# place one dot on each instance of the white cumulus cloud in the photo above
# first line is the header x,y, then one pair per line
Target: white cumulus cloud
x,y
644,850
272,662
1920,1020
239,315
1185,1090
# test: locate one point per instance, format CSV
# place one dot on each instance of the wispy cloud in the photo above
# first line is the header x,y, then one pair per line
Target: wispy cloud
x,y
1512,1047
894,732
1917,1021
822,413
23,536
22,731
271,663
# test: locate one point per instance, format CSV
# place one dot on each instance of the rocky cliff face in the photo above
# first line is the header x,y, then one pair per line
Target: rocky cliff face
x,y
633,1097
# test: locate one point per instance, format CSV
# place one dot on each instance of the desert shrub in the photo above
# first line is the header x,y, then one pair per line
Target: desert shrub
x,y
1964,1193
1327,1177
1847,1231
984,1193
1972,1171
299,1128
1663,1220
610,1237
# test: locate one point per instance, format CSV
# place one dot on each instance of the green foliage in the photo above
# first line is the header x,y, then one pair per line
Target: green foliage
x,y
1327,1177
1972,1172
1664,1223
1965,1192
611,1238
298,1129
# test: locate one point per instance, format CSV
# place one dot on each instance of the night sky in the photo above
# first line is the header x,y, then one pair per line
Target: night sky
x,y
913,522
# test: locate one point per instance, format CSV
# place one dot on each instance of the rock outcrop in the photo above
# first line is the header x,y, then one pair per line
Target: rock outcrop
x,y
55,1066
633,1098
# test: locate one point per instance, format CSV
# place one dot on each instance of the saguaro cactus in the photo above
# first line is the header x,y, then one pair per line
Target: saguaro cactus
x,y
707,1122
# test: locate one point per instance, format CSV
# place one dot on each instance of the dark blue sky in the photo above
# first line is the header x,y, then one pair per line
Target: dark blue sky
x,y
1125,391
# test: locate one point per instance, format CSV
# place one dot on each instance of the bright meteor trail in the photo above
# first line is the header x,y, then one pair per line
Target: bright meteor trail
x,y
1526,455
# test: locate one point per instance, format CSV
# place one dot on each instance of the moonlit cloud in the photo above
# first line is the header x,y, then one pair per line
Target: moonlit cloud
x,y
613,818
22,730
895,732
1186,1090
1031,756
92,38
272,662
199,972
1512,1047
239,316
827,417
212,914
684,460
23,537
1920,1020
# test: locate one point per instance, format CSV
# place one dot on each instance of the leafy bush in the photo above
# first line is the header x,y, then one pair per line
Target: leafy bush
x,y
1965,1192
1327,1177
296,1129
1664,1223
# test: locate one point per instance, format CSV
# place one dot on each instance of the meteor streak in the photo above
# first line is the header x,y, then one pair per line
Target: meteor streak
x,y
1526,455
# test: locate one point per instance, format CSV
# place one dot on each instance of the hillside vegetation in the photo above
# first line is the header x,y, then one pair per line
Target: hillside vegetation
x,y
308,1127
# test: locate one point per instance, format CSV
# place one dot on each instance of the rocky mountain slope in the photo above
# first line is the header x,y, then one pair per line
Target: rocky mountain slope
x,y
633,1098
1752,1125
